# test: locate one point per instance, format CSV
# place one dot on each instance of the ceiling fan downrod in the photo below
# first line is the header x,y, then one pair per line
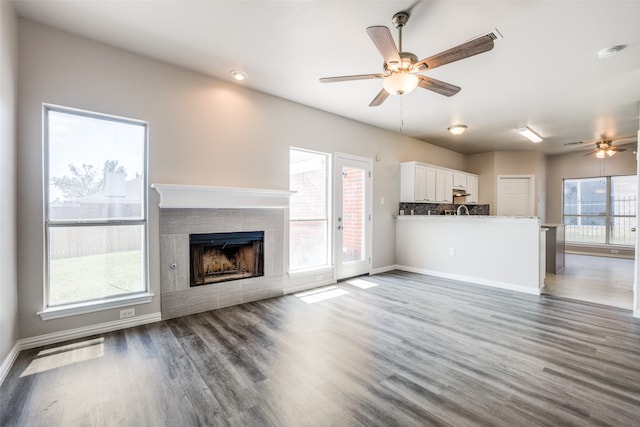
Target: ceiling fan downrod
x,y
399,20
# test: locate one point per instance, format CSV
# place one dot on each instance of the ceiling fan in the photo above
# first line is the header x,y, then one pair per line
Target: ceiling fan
x,y
605,149
400,75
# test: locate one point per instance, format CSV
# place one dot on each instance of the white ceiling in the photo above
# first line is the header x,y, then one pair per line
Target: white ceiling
x,y
544,73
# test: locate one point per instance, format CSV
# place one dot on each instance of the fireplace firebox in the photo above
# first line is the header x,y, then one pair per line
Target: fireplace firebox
x,y
221,257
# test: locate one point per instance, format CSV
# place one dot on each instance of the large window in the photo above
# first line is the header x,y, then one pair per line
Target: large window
x,y
309,217
95,207
601,210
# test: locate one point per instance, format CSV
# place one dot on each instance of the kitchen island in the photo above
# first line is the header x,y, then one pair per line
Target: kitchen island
x,y
504,252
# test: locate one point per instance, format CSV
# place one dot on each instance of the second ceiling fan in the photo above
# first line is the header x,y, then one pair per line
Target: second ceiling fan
x,y
401,69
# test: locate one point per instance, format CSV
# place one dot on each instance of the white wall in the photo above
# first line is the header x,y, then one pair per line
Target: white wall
x,y
202,131
8,105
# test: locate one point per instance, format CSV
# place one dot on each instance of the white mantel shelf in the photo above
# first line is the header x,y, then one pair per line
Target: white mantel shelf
x,y
175,196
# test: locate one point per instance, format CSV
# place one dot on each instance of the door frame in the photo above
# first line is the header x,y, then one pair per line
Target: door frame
x,y
368,210
532,189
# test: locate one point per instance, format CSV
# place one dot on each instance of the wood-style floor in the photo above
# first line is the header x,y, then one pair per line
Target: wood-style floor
x,y
395,349
602,280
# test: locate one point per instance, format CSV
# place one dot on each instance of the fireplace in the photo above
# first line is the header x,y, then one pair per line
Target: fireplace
x,y
221,257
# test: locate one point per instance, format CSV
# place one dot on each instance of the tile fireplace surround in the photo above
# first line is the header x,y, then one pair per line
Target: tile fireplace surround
x,y
188,209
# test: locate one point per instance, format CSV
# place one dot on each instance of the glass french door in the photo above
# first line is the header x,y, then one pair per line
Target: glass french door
x,y
352,219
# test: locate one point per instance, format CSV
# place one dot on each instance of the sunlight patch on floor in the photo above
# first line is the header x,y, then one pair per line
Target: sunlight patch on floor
x,y
362,283
320,294
57,357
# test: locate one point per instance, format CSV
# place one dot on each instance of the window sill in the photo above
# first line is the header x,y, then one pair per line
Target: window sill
x,y
93,306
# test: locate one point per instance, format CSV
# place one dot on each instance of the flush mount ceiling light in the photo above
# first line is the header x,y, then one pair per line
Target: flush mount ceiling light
x,y
238,74
457,129
610,51
531,135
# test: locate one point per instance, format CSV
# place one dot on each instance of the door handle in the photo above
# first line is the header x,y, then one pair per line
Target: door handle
x,y
340,227
633,229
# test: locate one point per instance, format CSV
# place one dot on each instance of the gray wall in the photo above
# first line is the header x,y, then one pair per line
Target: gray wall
x,y
489,165
577,165
202,130
8,142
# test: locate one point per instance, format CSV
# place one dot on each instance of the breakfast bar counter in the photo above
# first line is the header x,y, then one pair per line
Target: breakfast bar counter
x,y
504,252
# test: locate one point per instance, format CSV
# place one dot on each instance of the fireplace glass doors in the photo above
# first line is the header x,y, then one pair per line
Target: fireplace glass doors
x,y
220,257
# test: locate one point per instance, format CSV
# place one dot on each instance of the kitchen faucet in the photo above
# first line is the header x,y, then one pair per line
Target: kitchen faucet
x,y
466,210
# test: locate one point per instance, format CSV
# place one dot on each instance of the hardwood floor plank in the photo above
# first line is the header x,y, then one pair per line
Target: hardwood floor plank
x,y
405,350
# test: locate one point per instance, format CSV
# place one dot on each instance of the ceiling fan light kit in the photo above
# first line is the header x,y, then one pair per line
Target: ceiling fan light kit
x,y
400,71
457,129
530,134
400,82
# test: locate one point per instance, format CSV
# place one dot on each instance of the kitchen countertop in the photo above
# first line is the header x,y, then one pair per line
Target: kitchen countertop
x,y
465,217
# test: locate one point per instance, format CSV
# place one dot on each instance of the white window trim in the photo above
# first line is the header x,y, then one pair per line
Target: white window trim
x,y
85,307
58,312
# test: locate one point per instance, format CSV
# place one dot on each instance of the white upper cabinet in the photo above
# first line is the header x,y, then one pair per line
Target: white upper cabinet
x,y
444,186
417,183
459,181
420,182
472,189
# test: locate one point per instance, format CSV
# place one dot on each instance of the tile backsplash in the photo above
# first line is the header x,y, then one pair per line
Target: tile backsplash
x,y
440,208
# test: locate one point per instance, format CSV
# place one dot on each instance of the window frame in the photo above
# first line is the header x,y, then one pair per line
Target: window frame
x,y
327,215
607,215
104,302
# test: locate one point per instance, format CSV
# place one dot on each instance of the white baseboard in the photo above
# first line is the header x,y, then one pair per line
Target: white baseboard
x,y
7,363
57,337
473,280
384,269
636,313
307,286
86,331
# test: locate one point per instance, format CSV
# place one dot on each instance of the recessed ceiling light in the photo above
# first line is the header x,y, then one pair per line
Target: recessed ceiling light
x,y
531,135
610,51
457,129
238,74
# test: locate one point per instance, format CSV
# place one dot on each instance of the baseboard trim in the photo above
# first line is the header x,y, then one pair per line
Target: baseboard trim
x,y
472,280
56,337
8,361
308,286
636,313
384,269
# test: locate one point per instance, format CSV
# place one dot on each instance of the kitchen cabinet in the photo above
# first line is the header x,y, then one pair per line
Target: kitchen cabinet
x,y
472,189
418,183
444,186
460,181
421,182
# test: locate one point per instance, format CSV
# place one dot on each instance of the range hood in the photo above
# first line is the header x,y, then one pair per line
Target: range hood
x,y
460,193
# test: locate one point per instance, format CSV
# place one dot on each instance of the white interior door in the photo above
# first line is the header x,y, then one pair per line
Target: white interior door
x,y
515,196
352,219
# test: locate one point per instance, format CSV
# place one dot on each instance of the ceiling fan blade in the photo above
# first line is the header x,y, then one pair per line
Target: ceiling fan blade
x,y
354,77
380,98
465,50
592,152
438,86
619,150
381,37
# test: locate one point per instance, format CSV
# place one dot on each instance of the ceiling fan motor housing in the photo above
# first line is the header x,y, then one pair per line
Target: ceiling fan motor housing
x,y
407,59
